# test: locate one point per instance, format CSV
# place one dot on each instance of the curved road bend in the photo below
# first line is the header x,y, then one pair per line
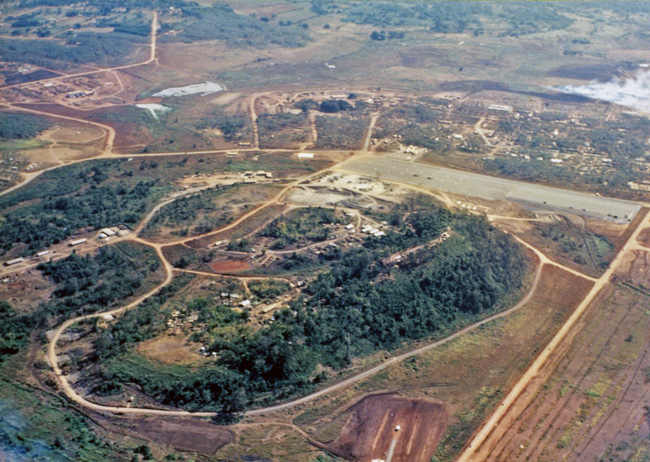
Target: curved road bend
x,y
74,396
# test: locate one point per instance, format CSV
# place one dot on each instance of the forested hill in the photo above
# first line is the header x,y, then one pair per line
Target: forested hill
x,y
358,306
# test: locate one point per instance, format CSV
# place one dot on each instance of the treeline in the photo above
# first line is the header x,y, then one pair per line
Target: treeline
x,y
81,48
221,22
330,106
355,308
45,215
83,285
21,126
52,220
458,17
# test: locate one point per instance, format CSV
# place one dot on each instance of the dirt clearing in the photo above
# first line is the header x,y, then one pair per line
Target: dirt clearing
x,y
371,428
230,266
186,434
170,350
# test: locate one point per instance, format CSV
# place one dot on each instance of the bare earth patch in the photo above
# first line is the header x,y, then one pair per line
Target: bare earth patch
x,y
230,266
168,350
371,429
186,434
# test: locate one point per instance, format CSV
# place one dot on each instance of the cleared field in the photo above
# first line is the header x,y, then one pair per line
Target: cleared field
x,y
230,266
169,350
594,406
531,196
185,434
416,425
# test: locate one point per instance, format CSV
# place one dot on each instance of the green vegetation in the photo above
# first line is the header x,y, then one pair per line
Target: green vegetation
x,y
69,199
18,126
195,214
221,22
610,180
83,285
11,146
337,318
418,124
300,226
282,130
448,17
268,289
35,426
580,245
233,127
341,132
335,105
141,323
105,193
620,138
108,49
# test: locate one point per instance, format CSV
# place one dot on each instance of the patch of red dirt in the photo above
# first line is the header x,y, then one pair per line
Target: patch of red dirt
x,y
373,427
230,266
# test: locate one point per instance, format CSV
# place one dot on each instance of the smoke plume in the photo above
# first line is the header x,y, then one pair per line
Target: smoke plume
x,y
632,92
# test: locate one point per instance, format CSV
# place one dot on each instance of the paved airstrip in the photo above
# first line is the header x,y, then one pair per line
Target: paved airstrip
x,y
533,197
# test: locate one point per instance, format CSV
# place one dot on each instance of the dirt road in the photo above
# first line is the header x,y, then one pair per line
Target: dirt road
x,y
152,58
479,448
74,396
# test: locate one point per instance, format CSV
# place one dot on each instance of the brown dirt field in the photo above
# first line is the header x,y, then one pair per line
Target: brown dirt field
x,y
594,405
185,434
169,350
230,266
25,290
638,273
371,427
644,238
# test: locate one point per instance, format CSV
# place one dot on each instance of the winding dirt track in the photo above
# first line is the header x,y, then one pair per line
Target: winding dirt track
x,y
477,449
74,396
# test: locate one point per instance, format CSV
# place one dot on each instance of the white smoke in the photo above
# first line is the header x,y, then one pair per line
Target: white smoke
x,y
633,92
